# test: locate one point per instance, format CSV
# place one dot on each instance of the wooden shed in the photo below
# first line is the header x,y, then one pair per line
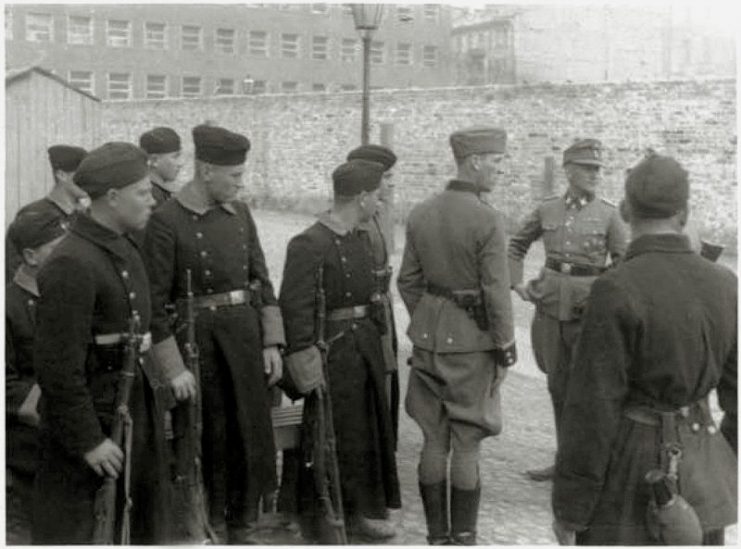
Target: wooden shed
x,y
42,109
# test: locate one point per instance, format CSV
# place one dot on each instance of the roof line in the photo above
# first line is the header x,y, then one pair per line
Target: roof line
x,y
22,73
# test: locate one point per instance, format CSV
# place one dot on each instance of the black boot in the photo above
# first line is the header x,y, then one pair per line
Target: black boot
x,y
435,503
464,510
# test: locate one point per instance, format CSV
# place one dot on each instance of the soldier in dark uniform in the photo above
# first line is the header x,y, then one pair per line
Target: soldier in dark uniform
x,y
660,333
63,201
455,284
35,233
382,269
206,229
578,232
363,426
91,286
162,144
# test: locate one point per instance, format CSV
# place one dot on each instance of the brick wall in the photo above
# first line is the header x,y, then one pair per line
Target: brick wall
x,y
298,139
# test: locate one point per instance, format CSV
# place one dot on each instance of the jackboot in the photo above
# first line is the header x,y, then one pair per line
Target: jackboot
x,y
464,510
435,503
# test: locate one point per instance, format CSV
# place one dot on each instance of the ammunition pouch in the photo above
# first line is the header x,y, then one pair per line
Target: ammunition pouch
x,y
471,301
383,279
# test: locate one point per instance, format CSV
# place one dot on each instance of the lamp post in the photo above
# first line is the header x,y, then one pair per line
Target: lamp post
x,y
367,17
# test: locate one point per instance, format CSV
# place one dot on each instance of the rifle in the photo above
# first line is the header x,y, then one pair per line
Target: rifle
x,y
190,502
326,469
121,434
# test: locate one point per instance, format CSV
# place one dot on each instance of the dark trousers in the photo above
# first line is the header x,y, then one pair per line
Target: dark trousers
x,y
18,507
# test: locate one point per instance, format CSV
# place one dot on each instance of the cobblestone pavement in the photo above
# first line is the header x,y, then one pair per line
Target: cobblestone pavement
x,y
514,510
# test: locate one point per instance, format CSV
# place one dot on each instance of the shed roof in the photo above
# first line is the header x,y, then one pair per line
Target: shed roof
x,y
15,75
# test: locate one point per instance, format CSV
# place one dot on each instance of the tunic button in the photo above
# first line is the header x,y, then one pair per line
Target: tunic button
x,y
31,303
199,235
244,267
132,295
209,290
712,430
244,246
212,308
695,427
424,336
195,217
348,294
353,326
347,275
204,253
134,312
568,243
449,340
207,272
124,274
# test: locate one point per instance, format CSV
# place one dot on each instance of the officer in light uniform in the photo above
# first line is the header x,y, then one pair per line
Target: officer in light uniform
x,y
579,231
455,283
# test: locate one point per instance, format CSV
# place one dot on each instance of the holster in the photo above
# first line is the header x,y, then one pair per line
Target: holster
x,y
471,301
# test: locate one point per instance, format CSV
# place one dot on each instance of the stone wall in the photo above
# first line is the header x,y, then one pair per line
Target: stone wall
x,y
298,139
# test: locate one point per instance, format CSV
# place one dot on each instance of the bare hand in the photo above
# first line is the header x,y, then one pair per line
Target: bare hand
x,y
273,364
521,290
564,535
184,386
106,459
28,413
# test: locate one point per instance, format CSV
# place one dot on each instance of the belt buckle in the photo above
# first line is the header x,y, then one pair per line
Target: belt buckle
x,y
236,297
566,268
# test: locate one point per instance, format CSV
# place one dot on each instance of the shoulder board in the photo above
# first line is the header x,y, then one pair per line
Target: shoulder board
x,y
608,202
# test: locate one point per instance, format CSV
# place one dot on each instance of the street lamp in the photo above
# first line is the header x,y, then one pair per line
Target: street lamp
x,y
367,17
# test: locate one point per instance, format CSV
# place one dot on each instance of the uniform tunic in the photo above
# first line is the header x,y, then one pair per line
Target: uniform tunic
x,y
13,258
221,248
574,231
456,241
22,445
92,284
363,426
641,345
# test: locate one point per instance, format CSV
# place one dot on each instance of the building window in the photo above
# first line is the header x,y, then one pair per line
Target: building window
x,y
224,86
258,43
156,86
376,52
348,87
404,12
259,86
403,54
155,36
80,30
8,24
432,11
429,56
349,50
320,47
191,86
289,87
319,87
39,27
119,85
225,40
191,38
319,8
289,45
118,33
500,38
82,80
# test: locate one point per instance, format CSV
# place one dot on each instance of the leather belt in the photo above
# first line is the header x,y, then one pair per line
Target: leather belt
x,y
224,299
348,313
120,338
698,412
573,269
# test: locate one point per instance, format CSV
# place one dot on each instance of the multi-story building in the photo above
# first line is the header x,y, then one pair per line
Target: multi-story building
x,y
157,51
590,43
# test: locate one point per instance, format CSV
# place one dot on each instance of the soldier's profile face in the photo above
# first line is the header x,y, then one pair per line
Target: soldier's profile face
x,y
584,178
168,165
369,204
225,182
489,169
134,204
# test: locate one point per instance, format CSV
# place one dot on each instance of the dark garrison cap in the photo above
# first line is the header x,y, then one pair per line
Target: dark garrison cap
x,y
356,176
113,165
374,153
219,146
65,157
160,140
657,187
35,228
587,152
